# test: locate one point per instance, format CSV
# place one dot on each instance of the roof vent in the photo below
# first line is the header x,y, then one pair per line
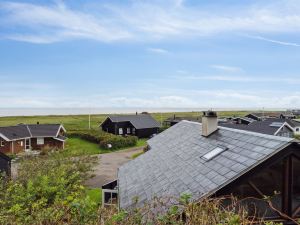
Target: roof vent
x,y
209,123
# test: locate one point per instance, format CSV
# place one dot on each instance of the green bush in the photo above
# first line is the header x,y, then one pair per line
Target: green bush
x,y
118,142
48,190
105,139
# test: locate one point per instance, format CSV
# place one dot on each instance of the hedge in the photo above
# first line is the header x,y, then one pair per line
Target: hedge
x,y
105,140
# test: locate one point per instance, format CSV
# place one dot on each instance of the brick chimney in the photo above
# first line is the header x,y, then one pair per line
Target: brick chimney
x,y
209,123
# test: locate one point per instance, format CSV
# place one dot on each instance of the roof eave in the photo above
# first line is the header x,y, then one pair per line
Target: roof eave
x,y
249,169
4,137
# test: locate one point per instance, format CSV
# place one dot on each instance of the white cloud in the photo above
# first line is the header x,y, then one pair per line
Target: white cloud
x,y
227,68
48,24
273,41
241,78
158,50
145,21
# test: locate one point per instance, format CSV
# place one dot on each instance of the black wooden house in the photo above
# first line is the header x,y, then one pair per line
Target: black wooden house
x,y
140,125
5,164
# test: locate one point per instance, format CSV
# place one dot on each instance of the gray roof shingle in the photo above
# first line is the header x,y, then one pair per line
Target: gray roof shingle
x,y
32,130
44,130
15,132
262,126
139,121
174,164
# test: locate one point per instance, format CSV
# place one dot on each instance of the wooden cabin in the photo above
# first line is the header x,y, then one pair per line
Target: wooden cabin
x,y
140,125
26,137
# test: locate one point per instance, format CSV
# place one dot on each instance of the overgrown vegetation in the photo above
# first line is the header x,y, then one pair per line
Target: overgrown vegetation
x,y
48,190
104,139
182,211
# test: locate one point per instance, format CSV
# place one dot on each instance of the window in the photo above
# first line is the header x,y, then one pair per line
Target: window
x,y
120,131
216,151
128,130
1,143
297,129
40,141
21,143
133,130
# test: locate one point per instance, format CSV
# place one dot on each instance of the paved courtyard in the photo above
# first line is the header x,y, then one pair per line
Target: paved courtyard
x,y
106,169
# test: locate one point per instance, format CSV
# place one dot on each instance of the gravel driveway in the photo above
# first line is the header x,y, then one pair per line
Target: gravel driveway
x,y
108,163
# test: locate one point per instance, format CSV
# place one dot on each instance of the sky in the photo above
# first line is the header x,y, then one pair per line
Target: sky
x,y
150,53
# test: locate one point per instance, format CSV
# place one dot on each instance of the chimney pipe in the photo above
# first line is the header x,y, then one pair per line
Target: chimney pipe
x,y
209,123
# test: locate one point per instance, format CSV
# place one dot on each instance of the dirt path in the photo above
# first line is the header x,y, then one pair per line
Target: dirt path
x,y
106,170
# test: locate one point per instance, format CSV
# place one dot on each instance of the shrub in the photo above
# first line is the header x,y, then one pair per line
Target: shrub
x,y
47,191
118,142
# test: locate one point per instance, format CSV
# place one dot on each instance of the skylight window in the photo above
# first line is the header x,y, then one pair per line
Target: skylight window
x,y
216,151
276,124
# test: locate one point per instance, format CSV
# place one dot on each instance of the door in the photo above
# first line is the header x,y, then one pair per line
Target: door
x,y
27,144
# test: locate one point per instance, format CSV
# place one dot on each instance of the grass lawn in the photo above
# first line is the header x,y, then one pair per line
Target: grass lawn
x,y
95,195
73,122
78,147
137,155
141,142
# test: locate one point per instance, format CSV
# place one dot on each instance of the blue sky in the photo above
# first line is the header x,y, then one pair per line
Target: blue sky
x,y
142,53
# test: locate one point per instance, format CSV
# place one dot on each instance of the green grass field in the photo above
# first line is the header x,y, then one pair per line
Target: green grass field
x,y
74,122
78,147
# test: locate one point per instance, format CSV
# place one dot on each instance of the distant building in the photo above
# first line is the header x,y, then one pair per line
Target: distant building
x,y
272,126
140,125
23,137
296,112
176,119
266,115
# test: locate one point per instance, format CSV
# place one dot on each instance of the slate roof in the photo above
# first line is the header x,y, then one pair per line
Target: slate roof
x,y
174,165
33,130
44,130
261,126
139,121
15,132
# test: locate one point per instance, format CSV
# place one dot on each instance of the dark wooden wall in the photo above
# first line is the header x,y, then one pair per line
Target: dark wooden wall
x,y
48,142
5,164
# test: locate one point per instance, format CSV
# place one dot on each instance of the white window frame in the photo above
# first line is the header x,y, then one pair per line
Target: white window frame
x,y
133,130
120,131
21,143
128,130
40,141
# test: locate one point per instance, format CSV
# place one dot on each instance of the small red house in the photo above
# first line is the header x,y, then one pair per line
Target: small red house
x,y
26,137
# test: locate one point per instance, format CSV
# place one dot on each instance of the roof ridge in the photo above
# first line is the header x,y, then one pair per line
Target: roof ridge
x,y
249,132
279,138
29,130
